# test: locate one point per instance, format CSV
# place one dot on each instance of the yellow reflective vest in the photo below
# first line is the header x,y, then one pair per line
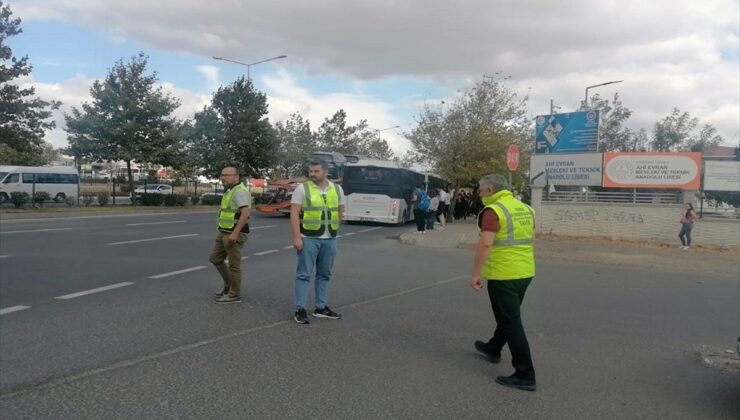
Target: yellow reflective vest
x,y
319,212
512,253
229,212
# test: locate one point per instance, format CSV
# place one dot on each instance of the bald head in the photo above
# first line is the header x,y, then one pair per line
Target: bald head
x,y
229,176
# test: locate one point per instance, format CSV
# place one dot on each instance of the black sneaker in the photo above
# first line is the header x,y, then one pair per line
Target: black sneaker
x,y
514,381
301,316
326,313
493,355
229,299
224,291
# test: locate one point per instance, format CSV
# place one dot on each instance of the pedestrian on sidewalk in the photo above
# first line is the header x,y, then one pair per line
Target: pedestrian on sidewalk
x,y
433,208
233,227
444,207
461,207
687,225
316,211
504,258
420,200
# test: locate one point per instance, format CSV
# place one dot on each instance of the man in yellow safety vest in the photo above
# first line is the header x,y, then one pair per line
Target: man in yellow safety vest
x,y
505,258
233,227
316,210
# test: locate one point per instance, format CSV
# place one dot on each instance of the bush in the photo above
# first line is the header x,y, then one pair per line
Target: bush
x,y
70,201
151,199
211,200
41,197
103,198
88,199
175,200
19,199
194,200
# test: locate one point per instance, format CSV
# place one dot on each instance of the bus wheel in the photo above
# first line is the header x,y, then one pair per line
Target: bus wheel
x,y
3,197
60,198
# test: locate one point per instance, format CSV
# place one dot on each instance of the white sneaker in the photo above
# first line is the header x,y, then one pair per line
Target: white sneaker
x,y
685,248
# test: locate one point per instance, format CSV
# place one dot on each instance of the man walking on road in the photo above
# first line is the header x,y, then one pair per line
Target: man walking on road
x,y
505,258
233,227
316,210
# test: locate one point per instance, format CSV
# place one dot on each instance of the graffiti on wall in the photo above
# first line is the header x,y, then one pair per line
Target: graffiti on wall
x,y
594,215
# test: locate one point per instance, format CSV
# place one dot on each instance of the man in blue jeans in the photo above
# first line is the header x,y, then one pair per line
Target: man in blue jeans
x,y
316,210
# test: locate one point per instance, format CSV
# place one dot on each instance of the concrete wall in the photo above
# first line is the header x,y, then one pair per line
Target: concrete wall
x,y
648,222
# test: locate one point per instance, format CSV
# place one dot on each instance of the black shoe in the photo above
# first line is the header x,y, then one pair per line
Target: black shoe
x,y
326,313
493,355
514,381
227,298
224,291
301,316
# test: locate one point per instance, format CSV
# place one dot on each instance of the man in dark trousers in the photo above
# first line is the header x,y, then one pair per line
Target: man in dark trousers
x,y
505,259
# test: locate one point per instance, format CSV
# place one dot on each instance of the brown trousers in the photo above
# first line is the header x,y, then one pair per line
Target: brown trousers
x,y
231,274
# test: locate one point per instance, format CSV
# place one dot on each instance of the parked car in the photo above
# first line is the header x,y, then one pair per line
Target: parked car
x,y
218,192
154,189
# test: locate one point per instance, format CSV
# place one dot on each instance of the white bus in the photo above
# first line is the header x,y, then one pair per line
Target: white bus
x,y
380,191
59,181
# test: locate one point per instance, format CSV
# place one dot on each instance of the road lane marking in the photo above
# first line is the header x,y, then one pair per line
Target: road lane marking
x,y
96,290
55,382
4,256
156,223
271,251
261,227
34,230
105,216
153,239
13,309
370,229
244,258
174,273
349,233
288,247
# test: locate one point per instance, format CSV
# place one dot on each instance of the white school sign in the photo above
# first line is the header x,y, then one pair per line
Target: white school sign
x,y
721,175
580,169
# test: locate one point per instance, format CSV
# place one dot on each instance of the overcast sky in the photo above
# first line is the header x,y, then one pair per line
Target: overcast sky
x,y
380,60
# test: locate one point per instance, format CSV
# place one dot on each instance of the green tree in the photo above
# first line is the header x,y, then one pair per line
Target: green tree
x,y
297,142
335,135
23,119
234,130
468,138
613,136
129,118
673,132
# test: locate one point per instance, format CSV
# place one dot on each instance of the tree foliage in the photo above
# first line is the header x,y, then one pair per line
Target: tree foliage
x,y
678,132
297,142
129,118
23,119
234,131
613,135
468,138
336,135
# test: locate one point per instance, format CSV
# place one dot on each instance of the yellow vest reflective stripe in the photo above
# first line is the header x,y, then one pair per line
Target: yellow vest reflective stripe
x,y
229,212
318,212
512,254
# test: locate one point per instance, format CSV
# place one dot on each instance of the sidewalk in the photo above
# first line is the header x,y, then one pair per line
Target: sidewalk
x,y
703,260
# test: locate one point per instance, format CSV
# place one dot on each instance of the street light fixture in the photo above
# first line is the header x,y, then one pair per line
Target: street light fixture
x,y
377,131
249,65
585,100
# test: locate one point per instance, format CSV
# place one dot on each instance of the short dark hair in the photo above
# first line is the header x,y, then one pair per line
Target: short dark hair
x,y
319,162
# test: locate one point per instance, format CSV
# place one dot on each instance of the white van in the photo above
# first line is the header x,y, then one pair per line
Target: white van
x,y
59,181
136,173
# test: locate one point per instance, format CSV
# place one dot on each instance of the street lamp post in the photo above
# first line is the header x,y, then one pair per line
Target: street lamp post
x,y
249,65
377,131
585,99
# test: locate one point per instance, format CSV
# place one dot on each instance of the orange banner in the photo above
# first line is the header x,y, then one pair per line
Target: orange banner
x,y
678,170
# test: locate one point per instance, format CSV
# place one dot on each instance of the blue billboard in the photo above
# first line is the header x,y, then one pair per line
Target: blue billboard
x,y
567,133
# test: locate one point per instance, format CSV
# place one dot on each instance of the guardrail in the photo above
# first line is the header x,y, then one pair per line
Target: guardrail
x,y
612,197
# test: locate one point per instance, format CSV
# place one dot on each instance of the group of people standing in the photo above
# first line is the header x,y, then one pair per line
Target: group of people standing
x,y
430,208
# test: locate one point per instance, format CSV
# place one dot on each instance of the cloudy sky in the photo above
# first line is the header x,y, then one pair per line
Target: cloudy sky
x,y
381,60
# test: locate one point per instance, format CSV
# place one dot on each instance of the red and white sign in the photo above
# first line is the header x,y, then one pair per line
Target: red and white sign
x,y
512,157
679,170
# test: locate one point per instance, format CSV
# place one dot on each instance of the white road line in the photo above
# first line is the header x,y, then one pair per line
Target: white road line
x,y
104,216
34,230
339,236
97,290
349,233
174,273
153,239
288,247
13,309
4,256
244,258
156,223
261,227
370,229
271,251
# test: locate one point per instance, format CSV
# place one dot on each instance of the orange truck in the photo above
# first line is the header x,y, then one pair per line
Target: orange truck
x,y
279,203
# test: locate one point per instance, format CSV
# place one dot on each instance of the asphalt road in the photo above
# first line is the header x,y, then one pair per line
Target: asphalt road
x,y
112,317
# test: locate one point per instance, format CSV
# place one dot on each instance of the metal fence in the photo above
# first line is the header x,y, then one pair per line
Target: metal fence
x,y
613,197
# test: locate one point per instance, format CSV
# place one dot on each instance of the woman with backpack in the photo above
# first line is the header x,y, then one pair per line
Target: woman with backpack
x,y
420,201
